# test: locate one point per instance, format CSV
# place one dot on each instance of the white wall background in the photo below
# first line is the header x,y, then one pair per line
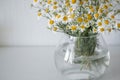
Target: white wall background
x,y
19,26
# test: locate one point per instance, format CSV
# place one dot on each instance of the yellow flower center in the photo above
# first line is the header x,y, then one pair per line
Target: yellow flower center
x,y
71,9
58,16
81,2
112,16
102,29
94,30
110,5
106,22
73,1
55,28
82,27
49,1
51,22
39,13
46,10
55,3
65,18
107,0
100,11
54,7
85,20
67,4
118,25
105,7
79,19
97,7
99,23
109,29
86,0
35,1
96,15
72,16
73,28
91,7
92,10
89,17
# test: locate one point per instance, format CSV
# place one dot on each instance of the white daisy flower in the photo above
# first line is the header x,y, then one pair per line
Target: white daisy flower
x,y
99,23
82,27
101,29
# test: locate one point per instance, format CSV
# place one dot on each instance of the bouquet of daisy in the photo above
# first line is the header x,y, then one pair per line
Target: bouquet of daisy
x,y
79,17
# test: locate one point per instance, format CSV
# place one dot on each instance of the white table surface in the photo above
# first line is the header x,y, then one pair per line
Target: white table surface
x,y
37,63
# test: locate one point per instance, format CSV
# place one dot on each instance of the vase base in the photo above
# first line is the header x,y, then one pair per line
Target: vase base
x,y
84,75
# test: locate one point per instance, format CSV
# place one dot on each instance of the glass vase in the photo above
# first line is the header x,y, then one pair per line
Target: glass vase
x,y
82,58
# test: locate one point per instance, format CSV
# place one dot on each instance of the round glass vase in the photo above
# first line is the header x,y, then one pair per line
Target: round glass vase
x,y
82,58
